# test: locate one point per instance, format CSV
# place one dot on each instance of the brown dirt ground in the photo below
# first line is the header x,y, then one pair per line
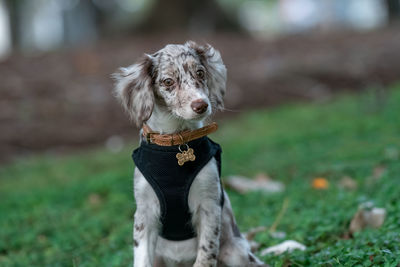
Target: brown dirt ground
x,y
63,99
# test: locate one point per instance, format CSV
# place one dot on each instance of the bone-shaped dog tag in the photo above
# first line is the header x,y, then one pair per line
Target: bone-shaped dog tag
x,y
185,156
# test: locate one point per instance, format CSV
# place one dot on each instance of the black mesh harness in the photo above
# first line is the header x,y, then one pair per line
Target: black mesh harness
x,y
172,182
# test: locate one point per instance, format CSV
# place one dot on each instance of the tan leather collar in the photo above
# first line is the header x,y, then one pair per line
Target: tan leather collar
x,y
177,138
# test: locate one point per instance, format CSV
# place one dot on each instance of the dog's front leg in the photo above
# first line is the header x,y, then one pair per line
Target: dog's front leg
x,y
208,229
146,227
145,238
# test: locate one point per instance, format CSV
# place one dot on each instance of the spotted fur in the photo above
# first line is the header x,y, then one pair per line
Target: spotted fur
x,y
142,85
160,91
134,88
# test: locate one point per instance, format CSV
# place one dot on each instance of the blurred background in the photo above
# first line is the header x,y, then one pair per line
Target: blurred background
x,y
321,163
56,57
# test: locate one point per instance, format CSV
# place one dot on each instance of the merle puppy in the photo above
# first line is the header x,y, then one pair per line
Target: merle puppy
x,y
183,215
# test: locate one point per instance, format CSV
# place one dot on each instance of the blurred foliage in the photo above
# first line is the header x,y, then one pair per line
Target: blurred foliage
x,y
77,210
49,24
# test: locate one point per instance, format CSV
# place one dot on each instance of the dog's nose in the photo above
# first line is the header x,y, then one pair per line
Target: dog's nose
x,y
199,106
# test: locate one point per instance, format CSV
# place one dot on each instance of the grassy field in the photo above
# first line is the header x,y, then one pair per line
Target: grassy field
x,y
77,210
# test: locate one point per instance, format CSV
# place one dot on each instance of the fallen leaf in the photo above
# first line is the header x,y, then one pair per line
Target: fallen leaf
x,y
378,172
262,177
320,183
367,216
375,217
278,234
357,223
244,184
286,246
94,199
348,183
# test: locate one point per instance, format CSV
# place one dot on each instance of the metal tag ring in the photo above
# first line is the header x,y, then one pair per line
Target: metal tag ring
x,y
187,147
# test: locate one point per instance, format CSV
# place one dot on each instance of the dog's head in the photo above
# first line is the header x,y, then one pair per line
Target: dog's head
x,y
188,80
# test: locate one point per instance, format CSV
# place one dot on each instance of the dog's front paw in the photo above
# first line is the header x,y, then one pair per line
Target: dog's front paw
x,y
205,264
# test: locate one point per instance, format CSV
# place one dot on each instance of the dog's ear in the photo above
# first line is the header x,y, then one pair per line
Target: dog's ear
x,y
216,72
134,89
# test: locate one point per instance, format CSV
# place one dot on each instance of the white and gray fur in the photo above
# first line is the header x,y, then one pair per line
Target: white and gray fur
x,y
160,90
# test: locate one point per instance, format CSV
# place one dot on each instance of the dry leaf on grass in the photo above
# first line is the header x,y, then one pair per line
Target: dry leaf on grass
x,y
261,183
367,216
320,183
262,177
288,245
278,234
94,199
348,183
378,172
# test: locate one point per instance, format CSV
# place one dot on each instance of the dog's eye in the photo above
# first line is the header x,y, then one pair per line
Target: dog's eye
x,y
200,74
168,82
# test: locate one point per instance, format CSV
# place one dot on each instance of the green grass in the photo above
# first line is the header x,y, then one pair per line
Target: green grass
x,y
77,210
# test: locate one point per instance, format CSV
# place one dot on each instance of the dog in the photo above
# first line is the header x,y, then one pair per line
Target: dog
x,y
173,92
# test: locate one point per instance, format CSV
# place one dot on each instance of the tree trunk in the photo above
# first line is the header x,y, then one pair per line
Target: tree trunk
x,y
393,8
13,7
188,15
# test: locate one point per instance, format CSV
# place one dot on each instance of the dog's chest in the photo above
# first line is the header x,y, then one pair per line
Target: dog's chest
x,y
171,182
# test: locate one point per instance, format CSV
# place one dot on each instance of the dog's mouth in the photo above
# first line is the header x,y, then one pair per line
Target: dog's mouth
x,y
192,116
200,117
